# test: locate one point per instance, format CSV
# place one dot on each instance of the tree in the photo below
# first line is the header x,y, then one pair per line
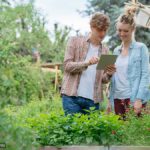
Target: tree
x,y
22,27
61,36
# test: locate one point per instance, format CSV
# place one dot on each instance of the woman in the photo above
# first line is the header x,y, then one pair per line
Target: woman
x,y
130,83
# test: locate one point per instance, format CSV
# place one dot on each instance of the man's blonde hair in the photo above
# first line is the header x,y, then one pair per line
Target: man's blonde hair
x,y
99,21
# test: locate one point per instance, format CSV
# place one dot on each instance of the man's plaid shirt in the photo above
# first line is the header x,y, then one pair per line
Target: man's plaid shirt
x,y
74,64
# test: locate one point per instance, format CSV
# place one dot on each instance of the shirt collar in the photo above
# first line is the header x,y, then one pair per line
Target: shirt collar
x,y
88,39
130,47
132,44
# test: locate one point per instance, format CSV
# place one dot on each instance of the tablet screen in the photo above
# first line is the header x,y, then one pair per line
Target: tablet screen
x,y
106,60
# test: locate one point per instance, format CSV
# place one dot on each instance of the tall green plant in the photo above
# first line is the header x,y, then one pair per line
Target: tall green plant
x,y
59,39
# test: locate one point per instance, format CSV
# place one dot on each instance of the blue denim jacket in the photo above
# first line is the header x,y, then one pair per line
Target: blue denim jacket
x,y
138,72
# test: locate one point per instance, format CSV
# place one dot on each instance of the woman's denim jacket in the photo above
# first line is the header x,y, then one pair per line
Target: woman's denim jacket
x,y
138,72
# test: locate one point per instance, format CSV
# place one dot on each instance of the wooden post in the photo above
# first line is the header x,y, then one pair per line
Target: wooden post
x,y
53,67
56,76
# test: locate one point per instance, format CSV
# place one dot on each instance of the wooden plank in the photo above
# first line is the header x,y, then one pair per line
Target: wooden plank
x,y
50,65
130,148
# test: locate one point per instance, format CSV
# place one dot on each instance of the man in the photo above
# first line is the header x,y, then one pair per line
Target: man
x,y
82,83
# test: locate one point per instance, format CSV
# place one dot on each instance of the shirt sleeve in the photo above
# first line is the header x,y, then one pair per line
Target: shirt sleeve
x,y
70,65
144,89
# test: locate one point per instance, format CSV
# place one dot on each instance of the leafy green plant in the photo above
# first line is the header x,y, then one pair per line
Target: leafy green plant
x,y
136,131
46,119
33,109
15,137
57,129
14,131
20,81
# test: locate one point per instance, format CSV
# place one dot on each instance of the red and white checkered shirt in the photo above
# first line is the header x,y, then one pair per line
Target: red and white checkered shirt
x,y
74,64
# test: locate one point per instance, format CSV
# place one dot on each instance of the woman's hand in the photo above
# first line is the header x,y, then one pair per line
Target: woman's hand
x,y
137,106
110,70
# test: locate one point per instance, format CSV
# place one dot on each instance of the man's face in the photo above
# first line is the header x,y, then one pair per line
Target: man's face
x,y
99,34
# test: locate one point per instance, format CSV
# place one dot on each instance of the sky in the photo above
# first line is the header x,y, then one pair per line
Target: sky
x,y
64,12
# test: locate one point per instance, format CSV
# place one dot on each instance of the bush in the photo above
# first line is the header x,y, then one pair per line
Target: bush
x,y
136,131
57,129
51,127
33,109
14,132
21,81
14,137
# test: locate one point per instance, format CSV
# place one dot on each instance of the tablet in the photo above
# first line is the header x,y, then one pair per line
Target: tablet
x,y
106,60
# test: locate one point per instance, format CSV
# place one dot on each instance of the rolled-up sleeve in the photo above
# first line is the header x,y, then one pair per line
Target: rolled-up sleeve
x,y
70,65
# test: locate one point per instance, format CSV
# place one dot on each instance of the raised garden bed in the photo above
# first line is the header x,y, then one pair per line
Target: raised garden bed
x,y
96,148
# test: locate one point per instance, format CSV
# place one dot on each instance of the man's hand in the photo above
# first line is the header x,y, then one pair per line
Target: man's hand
x,y
110,70
137,106
93,60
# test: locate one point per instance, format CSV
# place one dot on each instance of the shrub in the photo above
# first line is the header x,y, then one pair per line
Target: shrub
x,y
57,129
14,137
136,131
20,81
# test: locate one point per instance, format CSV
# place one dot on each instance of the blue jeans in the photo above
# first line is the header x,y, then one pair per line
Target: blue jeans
x,y
73,104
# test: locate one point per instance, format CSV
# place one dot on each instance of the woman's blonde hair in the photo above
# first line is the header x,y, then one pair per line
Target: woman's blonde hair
x,y
128,17
99,21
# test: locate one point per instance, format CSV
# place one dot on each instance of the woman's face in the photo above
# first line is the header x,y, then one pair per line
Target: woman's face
x,y
124,31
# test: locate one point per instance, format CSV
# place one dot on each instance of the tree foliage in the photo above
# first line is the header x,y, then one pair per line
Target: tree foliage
x,y
59,42
23,28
